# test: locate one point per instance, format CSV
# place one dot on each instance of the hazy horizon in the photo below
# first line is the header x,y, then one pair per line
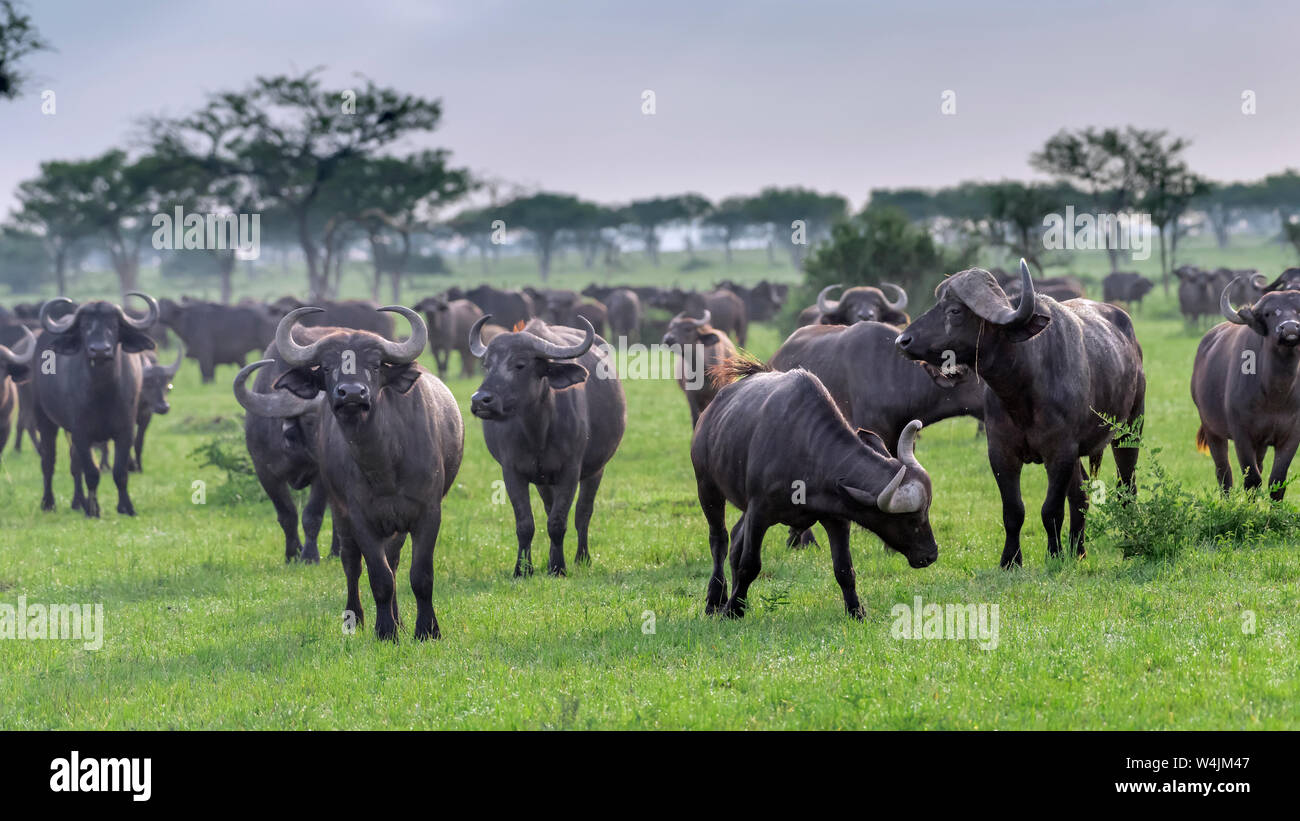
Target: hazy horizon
x,y
832,96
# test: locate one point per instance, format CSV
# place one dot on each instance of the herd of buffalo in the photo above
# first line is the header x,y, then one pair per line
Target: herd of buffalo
x,y
825,432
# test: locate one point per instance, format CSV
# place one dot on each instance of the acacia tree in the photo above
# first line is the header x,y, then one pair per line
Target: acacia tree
x,y
54,206
650,216
19,38
1169,188
797,213
544,216
731,217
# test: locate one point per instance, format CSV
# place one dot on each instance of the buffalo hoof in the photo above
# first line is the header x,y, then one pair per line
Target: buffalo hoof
x,y
733,610
91,509
857,611
800,539
431,633
47,504
78,503
583,557
126,508
386,632
556,570
522,570
310,556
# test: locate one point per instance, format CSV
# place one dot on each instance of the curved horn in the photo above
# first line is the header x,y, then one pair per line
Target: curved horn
x,y
1025,309
149,319
277,404
175,366
552,351
822,304
58,326
401,353
476,345
293,353
902,297
14,358
1225,306
704,320
907,444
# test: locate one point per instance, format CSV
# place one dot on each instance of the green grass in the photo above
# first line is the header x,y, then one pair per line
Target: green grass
x,y
206,627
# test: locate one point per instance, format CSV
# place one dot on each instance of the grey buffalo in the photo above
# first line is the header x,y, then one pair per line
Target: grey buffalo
x,y
1126,287
1055,372
13,370
216,334
700,347
551,423
508,308
746,451
862,304
449,323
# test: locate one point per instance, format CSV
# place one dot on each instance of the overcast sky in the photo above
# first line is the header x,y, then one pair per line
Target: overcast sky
x,y
838,96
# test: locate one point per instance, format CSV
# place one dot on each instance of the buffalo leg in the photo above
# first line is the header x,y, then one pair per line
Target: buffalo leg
x,y
137,464
800,538
85,461
47,446
121,472
286,512
1006,471
517,490
350,555
381,581
1248,459
557,522
393,552
837,533
74,467
1061,473
440,358
313,513
1281,464
1222,466
1078,496
585,506
751,562
424,538
714,505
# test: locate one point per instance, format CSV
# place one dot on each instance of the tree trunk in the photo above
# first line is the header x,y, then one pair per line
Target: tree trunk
x,y
60,271
225,270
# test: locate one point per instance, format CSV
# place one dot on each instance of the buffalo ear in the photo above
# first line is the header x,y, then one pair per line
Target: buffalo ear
x,y
133,341
19,373
1030,329
708,339
895,318
400,377
304,383
66,344
563,375
856,494
873,441
1256,324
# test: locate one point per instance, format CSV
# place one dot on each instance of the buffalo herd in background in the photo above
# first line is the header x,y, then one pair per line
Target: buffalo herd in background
x,y
337,406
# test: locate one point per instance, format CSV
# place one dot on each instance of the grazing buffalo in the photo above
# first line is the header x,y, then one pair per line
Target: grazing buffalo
x,y
1196,294
700,347
862,304
449,324
1129,288
509,308
356,314
1055,372
155,384
762,301
390,440
549,423
216,334
1245,385
726,309
624,311
747,451
1288,280
280,432
92,391
1062,289
13,370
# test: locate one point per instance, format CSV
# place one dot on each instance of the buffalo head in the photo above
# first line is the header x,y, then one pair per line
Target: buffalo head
x,y
862,304
521,368
157,383
898,512
972,310
97,328
352,367
686,331
1275,316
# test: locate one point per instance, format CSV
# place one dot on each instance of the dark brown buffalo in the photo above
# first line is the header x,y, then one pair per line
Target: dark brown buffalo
x,y
92,391
699,347
216,334
13,370
508,308
808,316
449,324
1245,385
1053,370
1197,296
762,301
563,307
1061,289
862,304
390,440
776,446
1288,280
1126,287
155,384
280,433
624,311
549,423
357,314
12,335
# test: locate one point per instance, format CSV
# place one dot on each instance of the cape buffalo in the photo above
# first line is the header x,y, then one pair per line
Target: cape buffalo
x,y
216,334
356,314
1196,294
762,301
624,312
508,307
92,391
862,304
155,384
1061,289
1245,385
390,441
549,423
13,370
726,309
1055,372
1124,287
449,324
12,334
747,452
699,347
280,433
1288,280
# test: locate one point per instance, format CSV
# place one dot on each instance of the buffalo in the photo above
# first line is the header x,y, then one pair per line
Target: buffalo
x,y
155,384
624,312
390,441
1126,287
92,391
1288,280
1060,289
509,308
549,423
727,311
747,452
762,301
701,347
1245,386
449,323
862,304
1059,376
216,334
357,314
1197,296
13,370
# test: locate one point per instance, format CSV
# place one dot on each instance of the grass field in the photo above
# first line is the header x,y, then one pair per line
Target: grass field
x,y
206,627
